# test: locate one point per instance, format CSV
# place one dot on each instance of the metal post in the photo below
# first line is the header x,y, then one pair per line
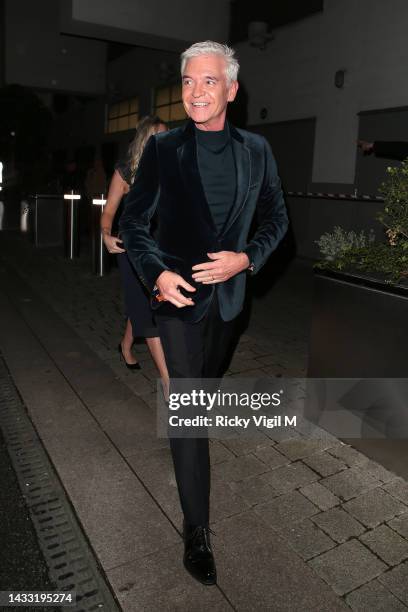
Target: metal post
x,y
72,237
35,225
100,256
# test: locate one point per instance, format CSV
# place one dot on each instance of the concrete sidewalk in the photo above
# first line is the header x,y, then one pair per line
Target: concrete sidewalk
x,y
300,524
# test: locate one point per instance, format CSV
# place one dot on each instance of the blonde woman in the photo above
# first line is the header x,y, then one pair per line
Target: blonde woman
x,y
140,322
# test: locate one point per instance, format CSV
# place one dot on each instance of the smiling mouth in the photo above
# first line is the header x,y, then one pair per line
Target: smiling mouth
x,y
199,104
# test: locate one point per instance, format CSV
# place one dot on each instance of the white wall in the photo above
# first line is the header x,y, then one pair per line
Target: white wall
x,y
179,19
294,76
38,56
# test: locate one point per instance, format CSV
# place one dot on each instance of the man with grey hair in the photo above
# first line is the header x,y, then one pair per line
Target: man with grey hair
x,y
204,181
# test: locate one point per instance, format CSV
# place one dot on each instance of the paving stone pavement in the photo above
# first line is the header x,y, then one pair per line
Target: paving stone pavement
x,y
343,517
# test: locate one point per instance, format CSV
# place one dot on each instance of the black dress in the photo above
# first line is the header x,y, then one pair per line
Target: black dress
x,y
137,302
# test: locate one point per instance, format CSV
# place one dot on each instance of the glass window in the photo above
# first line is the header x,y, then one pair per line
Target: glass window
x,y
123,123
163,112
124,108
162,96
134,105
112,125
113,111
123,115
177,112
133,120
176,92
168,105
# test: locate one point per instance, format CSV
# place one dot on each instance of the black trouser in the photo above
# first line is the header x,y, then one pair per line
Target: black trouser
x,y
195,350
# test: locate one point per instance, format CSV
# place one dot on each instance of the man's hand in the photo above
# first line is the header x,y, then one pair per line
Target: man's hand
x,y
168,284
225,264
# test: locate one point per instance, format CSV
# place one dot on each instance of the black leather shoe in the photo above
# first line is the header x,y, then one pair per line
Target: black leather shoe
x,y
198,556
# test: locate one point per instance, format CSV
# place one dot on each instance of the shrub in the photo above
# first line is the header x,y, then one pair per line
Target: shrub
x,y
350,251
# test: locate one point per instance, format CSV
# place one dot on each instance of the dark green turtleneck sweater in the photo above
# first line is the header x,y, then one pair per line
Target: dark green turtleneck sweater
x,y
217,170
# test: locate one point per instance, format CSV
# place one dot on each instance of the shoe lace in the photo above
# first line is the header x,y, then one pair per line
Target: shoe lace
x,y
202,535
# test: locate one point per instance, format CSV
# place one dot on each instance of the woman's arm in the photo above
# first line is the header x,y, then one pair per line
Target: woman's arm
x,y
117,189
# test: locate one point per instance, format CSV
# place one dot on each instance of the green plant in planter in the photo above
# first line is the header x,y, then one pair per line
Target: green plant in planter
x,y
350,251
394,216
335,245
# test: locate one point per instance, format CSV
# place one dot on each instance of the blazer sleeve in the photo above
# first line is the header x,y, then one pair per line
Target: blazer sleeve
x,y
134,224
271,215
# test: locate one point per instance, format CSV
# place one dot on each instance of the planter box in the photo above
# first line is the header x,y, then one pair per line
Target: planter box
x,y
359,328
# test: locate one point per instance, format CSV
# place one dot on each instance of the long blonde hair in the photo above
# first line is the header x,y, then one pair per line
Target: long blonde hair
x,y
146,127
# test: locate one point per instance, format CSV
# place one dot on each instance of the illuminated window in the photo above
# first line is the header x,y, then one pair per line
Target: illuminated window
x,y
168,105
123,116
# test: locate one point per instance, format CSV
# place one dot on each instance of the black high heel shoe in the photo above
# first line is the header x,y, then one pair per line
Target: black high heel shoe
x,y
130,366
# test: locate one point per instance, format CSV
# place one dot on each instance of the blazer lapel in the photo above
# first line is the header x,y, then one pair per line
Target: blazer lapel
x,y
242,157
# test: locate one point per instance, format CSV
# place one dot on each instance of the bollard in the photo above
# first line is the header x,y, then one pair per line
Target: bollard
x,y
100,256
24,216
71,226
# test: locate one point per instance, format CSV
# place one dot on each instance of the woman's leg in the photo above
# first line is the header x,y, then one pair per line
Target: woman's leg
x,y
156,351
126,344
140,323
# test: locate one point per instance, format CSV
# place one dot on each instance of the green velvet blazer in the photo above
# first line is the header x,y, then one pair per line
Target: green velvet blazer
x,y
168,186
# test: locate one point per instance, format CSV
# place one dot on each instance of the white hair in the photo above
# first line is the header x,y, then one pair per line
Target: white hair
x,y
209,47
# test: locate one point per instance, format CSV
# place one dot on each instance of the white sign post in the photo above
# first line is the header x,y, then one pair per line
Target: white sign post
x,y
72,237
100,260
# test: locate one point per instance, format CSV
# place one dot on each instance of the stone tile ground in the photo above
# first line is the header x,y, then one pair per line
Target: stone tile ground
x,y
344,516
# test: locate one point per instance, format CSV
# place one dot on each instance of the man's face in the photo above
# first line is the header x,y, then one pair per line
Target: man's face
x,y
206,92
